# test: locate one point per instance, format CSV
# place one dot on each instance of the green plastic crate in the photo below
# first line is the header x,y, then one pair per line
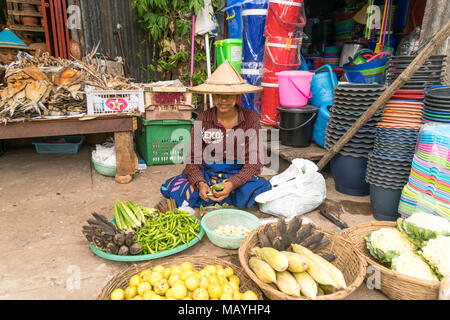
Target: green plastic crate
x,y
163,142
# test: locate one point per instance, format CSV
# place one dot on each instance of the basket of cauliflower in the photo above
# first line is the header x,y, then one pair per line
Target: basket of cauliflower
x,y
409,257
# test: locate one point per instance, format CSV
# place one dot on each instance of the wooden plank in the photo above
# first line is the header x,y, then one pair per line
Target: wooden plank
x,y
21,27
23,13
127,161
33,129
312,153
34,2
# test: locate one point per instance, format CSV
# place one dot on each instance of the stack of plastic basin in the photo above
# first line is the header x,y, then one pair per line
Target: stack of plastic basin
x,y
428,188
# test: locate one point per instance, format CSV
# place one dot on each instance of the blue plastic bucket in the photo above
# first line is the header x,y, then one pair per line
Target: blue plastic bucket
x,y
322,86
349,175
252,73
254,15
234,20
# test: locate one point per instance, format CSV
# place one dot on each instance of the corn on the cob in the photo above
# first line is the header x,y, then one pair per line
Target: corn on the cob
x,y
296,263
318,271
287,284
335,273
308,287
273,257
262,270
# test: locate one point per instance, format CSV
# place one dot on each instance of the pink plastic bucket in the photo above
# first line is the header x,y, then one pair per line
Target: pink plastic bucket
x,y
295,88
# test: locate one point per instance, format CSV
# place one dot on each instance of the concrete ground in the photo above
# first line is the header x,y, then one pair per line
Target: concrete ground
x,y
45,201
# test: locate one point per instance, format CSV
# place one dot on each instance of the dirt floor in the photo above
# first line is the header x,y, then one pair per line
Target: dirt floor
x,y
45,201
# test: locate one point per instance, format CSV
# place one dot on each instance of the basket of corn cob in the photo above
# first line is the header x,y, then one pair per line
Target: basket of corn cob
x,y
410,255
295,261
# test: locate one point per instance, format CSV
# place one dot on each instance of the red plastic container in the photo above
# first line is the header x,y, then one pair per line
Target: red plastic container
x,y
284,17
281,54
270,101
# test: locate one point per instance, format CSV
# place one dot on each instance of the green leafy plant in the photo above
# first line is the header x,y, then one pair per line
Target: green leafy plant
x,y
169,24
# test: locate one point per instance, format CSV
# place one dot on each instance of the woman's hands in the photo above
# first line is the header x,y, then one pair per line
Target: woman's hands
x,y
203,190
225,193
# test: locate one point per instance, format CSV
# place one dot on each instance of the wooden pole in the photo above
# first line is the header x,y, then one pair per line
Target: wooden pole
x,y
414,66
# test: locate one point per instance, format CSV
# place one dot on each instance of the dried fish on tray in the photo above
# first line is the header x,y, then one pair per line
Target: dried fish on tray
x,y
47,86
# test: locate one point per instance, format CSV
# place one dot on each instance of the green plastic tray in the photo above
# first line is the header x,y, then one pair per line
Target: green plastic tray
x,y
146,257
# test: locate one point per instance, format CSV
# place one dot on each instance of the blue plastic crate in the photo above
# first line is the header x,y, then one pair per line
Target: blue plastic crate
x,y
70,147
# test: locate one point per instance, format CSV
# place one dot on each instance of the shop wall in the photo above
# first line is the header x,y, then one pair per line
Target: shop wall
x,y
100,18
437,15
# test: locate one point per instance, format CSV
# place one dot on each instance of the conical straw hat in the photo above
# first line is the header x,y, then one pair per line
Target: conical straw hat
x,y
225,80
9,40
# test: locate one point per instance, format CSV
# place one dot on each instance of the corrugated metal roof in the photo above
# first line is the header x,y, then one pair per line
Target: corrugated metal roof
x,y
100,19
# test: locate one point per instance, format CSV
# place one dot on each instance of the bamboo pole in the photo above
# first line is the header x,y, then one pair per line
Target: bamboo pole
x,y
414,66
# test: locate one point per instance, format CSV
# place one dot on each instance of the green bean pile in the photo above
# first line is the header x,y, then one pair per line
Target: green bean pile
x,y
167,231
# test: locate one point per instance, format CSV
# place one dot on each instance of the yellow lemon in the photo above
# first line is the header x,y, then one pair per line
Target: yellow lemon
x,y
222,280
226,296
204,282
218,267
187,298
135,280
118,294
130,292
200,294
249,295
179,282
143,287
155,277
138,298
166,273
211,269
229,271
145,274
176,269
235,279
179,291
185,274
192,283
213,280
187,266
170,298
149,295
173,278
156,297
159,268
169,293
214,291
221,273
205,273
227,288
233,285
237,295
161,287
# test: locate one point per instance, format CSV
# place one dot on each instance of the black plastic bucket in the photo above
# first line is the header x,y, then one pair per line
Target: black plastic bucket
x,y
385,203
296,125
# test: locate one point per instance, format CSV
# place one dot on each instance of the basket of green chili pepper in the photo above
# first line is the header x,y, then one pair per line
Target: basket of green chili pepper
x,y
163,235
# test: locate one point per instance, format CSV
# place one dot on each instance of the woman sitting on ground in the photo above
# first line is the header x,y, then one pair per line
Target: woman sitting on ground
x,y
226,149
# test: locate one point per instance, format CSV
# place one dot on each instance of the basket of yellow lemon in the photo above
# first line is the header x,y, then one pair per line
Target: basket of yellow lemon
x,y
182,278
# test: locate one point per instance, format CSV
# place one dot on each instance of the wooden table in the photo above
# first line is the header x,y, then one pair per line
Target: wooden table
x,y
121,125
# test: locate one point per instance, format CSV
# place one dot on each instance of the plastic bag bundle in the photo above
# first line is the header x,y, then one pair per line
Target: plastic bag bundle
x,y
428,188
298,190
105,153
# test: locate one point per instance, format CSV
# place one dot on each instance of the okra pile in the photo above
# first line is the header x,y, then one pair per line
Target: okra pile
x,y
167,231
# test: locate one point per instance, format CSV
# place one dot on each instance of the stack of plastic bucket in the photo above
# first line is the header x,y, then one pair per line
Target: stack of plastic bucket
x,y
282,51
233,17
254,14
281,54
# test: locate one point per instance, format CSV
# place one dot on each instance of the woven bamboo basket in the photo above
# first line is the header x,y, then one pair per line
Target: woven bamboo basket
x,y
393,284
121,280
348,260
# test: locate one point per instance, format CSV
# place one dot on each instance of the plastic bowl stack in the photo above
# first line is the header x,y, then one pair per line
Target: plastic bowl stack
x,y
428,188
349,166
437,105
390,162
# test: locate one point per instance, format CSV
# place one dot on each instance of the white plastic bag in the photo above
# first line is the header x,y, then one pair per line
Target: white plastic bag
x,y
298,190
205,21
186,208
